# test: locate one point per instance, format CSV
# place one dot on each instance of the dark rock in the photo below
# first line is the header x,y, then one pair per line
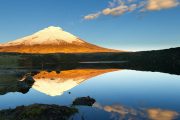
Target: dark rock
x,y
25,85
38,112
15,86
57,72
86,101
29,80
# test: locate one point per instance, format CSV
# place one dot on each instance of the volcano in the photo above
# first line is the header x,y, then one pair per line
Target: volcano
x,y
52,40
54,84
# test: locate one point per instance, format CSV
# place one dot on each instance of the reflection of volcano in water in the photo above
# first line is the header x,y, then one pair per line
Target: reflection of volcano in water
x,y
53,83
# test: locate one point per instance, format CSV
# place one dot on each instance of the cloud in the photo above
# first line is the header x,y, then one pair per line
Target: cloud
x,y
114,3
158,114
133,7
131,113
161,4
120,7
119,10
122,111
115,8
92,16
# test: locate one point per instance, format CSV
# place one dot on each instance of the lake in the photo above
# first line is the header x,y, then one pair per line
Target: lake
x,y
120,94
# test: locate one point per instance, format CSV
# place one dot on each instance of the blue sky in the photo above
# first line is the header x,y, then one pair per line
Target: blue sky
x,y
132,30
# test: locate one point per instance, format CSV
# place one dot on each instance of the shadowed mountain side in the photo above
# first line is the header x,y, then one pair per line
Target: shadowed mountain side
x,y
159,67
53,83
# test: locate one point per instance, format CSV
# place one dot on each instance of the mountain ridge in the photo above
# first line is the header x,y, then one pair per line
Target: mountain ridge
x,y
52,40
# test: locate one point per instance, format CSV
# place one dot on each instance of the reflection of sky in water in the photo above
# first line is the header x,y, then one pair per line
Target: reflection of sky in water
x,y
125,87
134,88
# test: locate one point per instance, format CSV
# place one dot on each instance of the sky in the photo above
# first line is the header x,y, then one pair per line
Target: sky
x,y
120,24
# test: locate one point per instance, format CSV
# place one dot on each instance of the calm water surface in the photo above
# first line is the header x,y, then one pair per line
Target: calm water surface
x,y
119,93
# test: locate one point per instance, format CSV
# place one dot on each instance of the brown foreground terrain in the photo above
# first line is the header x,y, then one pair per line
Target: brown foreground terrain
x,y
62,48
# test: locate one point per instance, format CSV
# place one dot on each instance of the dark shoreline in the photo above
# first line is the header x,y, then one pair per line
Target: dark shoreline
x,y
167,61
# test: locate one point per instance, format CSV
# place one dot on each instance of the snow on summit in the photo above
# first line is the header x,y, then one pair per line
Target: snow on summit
x,y
51,35
52,40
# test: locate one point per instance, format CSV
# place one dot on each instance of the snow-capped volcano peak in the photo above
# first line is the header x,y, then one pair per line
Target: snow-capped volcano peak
x,y
53,28
51,35
50,29
56,33
52,40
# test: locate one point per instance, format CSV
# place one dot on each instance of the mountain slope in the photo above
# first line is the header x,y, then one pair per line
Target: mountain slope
x,y
52,40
